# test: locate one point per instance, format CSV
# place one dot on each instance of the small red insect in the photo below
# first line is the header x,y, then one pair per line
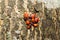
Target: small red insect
x,y
26,15
33,20
27,22
35,25
36,19
33,15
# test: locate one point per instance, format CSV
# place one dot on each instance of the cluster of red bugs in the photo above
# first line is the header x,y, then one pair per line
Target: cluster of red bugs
x,y
31,20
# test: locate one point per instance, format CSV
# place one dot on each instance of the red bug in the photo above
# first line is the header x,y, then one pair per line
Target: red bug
x,y
33,20
27,22
26,15
36,19
33,16
35,25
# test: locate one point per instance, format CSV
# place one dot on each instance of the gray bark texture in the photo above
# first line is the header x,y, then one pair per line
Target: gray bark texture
x,y
13,27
